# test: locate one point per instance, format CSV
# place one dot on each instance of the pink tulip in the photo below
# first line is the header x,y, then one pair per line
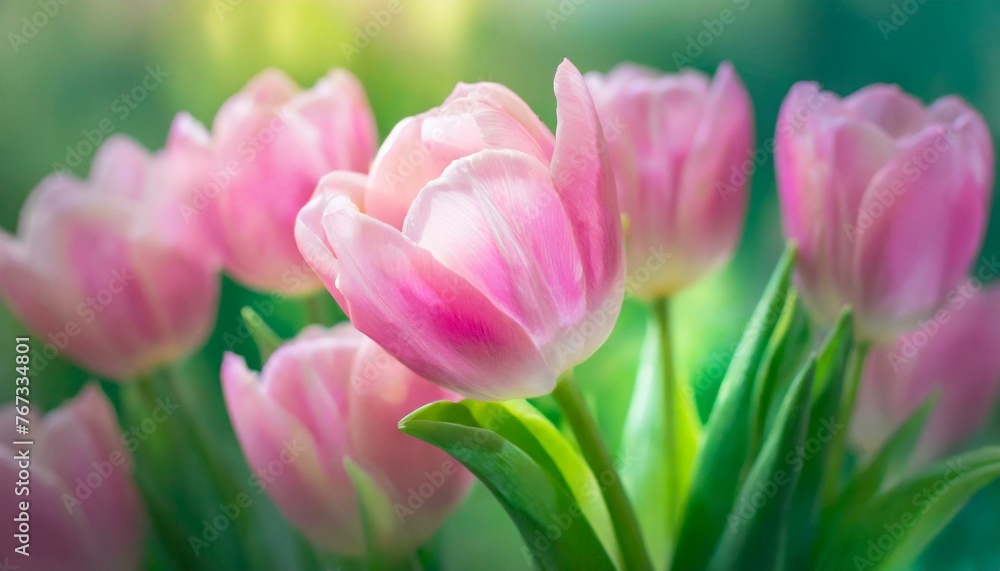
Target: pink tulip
x,y
83,509
106,271
887,200
955,353
272,143
482,252
332,394
681,147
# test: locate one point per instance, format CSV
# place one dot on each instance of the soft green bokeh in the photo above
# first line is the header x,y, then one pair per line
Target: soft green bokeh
x,y
69,77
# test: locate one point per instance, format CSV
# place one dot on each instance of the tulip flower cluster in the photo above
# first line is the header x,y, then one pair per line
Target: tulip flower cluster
x,y
477,254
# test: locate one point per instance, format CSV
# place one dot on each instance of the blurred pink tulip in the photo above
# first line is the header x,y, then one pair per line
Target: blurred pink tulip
x,y
482,252
272,143
887,199
681,148
84,511
105,270
956,353
333,394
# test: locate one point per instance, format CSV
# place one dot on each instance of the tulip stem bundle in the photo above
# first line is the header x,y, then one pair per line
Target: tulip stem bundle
x,y
595,452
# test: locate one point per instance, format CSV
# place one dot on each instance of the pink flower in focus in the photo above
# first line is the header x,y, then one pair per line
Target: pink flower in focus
x,y
84,510
272,143
106,271
482,252
956,353
679,144
887,199
333,394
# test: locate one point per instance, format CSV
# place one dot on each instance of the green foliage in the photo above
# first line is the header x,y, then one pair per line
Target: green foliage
x,y
660,457
537,476
725,440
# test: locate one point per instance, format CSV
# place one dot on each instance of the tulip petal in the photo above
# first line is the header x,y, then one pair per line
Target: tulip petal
x,y
317,500
517,244
416,152
898,113
399,463
310,237
917,249
709,220
583,177
506,121
337,105
426,315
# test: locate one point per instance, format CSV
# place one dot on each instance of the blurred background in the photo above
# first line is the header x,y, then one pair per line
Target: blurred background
x,y
60,80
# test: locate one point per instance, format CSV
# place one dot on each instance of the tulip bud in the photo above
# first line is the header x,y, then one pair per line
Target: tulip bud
x,y
887,200
333,394
74,504
272,143
954,353
106,271
485,254
681,149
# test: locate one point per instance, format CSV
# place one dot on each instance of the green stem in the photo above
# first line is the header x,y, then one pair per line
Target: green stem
x,y
597,455
315,308
226,487
661,314
831,488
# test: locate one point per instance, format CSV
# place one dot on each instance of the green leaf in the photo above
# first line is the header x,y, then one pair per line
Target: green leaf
x,y
377,521
266,339
757,523
785,356
657,475
537,476
892,529
892,458
724,449
824,424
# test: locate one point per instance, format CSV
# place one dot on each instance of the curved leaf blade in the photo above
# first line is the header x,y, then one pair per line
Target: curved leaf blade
x,y
532,471
893,528
723,453
755,533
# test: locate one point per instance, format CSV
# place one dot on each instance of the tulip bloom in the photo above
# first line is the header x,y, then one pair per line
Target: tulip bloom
x,y
105,270
954,353
84,510
482,252
332,394
681,149
887,200
272,143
